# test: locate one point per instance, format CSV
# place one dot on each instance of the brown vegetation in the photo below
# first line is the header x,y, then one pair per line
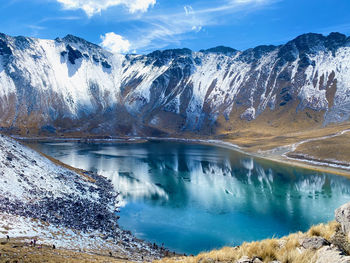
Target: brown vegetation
x,y
327,150
286,249
18,250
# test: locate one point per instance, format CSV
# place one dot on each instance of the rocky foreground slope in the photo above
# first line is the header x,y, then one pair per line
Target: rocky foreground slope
x,y
61,207
70,86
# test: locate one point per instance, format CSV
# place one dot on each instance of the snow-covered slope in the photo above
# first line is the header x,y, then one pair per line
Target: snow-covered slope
x,y
59,206
33,186
27,176
70,85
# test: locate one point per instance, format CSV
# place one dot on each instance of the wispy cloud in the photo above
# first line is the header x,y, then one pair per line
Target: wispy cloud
x,y
344,28
170,28
35,27
160,28
92,7
57,18
35,30
235,6
40,25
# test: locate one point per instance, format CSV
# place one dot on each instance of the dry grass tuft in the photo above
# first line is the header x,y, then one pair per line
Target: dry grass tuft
x,y
324,230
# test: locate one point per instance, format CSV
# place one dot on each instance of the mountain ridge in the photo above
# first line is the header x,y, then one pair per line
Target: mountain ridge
x,y
69,85
333,36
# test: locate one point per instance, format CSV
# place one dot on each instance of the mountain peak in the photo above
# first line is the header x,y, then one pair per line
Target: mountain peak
x,y
77,41
307,42
74,39
220,49
256,53
335,40
171,52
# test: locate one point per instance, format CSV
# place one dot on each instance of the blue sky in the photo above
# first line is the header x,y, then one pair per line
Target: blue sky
x,y
141,26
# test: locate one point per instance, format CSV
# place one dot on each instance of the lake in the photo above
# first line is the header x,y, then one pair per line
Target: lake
x,y
194,197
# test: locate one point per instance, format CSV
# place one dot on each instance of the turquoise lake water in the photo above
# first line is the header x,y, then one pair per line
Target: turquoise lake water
x,y
195,197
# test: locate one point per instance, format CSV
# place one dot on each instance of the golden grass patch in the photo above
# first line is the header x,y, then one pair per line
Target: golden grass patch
x,y
286,249
329,149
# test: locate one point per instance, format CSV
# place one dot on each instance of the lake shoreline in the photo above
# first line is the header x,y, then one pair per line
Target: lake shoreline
x,y
60,205
278,155
218,143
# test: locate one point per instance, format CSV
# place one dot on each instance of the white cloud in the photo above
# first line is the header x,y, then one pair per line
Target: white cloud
x,y
92,7
196,28
188,10
139,5
115,43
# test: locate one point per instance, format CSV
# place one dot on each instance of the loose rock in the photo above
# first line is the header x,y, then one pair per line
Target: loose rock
x,y
245,259
330,254
206,260
342,216
313,242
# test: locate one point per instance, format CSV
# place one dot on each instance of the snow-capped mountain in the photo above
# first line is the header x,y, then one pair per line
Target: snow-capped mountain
x,y
72,86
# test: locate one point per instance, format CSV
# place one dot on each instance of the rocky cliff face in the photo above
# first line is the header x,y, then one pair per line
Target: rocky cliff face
x,y
72,86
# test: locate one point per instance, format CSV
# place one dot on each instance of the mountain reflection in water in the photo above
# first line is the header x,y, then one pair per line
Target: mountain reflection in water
x,y
196,197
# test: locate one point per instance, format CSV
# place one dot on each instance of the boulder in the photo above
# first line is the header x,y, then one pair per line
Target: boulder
x,y
245,259
329,254
342,216
206,260
313,242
